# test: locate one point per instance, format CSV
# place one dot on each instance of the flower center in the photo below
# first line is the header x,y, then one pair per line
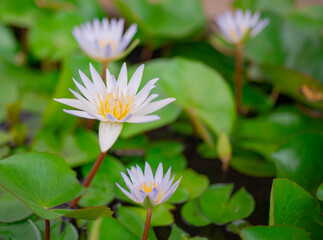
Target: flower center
x,y
104,42
115,103
147,188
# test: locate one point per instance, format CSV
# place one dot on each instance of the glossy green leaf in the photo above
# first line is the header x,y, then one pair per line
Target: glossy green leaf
x,y
17,13
290,83
209,98
19,230
219,207
161,215
279,6
51,37
194,183
11,208
265,133
109,226
274,232
252,165
166,19
300,160
177,233
291,205
193,215
50,184
134,222
167,114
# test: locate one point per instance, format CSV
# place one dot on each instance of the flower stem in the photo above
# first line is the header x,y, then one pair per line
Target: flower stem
x,y
47,229
90,177
200,128
147,225
238,78
274,94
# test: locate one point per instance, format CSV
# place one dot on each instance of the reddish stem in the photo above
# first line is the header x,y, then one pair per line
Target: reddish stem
x,y
90,177
47,229
238,78
147,225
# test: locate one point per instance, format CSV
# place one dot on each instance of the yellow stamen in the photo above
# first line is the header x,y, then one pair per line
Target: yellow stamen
x,y
115,103
147,188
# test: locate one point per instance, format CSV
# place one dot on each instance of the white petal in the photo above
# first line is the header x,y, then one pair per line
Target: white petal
x,y
97,80
122,79
144,92
154,194
159,174
143,119
148,173
108,134
75,103
78,113
154,106
170,192
128,36
127,194
136,79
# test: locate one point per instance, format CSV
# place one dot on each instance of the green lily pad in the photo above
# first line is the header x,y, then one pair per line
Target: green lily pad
x,y
194,183
181,195
300,160
193,215
219,207
19,230
280,6
134,222
48,185
109,226
274,232
290,83
291,205
238,225
166,19
252,164
11,208
209,99
167,114
51,38
8,44
161,215
177,233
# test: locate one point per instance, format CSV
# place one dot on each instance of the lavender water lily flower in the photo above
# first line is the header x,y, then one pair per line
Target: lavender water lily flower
x,y
104,41
115,102
236,28
146,189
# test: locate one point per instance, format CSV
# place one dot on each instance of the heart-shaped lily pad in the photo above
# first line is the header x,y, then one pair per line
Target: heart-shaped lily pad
x,y
218,206
291,205
43,181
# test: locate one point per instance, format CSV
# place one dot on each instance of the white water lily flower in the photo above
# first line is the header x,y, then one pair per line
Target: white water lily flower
x,y
115,102
236,28
146,189
104,41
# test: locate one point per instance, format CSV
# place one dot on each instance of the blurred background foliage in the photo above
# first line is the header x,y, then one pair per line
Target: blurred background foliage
x,y
278,137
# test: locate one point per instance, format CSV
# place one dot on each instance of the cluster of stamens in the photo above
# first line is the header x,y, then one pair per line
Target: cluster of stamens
x,y
115,103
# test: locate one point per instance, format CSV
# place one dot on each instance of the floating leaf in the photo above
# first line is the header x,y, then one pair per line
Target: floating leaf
x,y
209,98
194,183
48,185
217,206
11,208
19,230
167,19
193,215
274,232
289,200
300,160
320,193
